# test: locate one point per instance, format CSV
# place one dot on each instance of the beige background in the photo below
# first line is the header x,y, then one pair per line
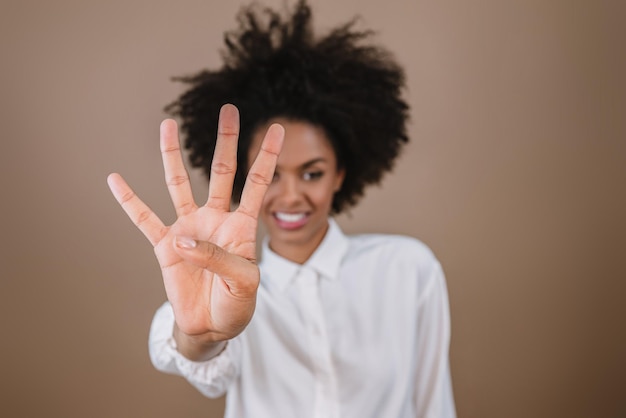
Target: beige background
x,y
515,177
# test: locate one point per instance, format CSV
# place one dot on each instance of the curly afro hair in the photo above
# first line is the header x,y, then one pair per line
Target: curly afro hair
x,y
277,68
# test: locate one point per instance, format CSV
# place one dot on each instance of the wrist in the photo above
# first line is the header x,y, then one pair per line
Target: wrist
x,y
197,347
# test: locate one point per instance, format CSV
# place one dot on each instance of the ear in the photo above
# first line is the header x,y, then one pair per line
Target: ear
x,y
341,175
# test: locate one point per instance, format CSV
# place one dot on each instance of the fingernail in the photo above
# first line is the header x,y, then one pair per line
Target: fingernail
x,y
186,242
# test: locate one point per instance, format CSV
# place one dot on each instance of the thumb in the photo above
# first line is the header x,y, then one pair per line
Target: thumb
x,y
240,275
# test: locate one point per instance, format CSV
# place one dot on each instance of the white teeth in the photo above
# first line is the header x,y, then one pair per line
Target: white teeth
x,y
290,217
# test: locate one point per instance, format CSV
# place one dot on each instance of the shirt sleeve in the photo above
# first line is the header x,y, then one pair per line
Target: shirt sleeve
x,y
433,396
212,378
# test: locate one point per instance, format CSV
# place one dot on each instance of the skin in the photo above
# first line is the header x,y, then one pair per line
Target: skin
x,y
207,256
305,181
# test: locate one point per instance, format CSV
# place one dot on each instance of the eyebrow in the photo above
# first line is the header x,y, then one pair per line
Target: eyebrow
x,y
309,163
313,161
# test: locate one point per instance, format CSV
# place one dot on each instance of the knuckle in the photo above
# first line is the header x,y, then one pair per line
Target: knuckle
x,y
169,149
171,265
228,132
176,180
247,211
219,167
213,255
257,178
126,197
218,202
186,207
265,148
142,218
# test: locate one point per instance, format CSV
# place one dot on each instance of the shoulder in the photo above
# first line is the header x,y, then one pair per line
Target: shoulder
x,y
397,244
401,249
402,268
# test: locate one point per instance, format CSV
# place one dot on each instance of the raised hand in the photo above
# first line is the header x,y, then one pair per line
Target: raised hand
x,y
207,256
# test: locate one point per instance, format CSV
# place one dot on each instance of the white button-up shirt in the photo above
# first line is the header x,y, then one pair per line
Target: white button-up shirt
x,y
360,330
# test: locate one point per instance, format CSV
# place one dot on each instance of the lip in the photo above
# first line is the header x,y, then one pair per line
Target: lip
x,y
290,220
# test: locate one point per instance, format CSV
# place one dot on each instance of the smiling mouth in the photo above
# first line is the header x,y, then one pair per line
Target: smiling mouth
x,y
291,220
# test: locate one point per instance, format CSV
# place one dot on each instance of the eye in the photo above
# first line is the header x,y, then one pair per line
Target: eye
x,y
312,175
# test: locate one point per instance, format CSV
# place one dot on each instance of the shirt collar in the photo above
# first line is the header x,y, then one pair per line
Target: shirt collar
x,y
326,260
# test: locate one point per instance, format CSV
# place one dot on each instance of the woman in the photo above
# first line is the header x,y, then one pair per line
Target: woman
x,y
329,325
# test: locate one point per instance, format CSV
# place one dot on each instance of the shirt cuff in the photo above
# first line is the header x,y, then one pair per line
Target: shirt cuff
x,y
211,377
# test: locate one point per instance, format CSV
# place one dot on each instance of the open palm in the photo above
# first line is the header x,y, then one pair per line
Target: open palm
x,y
207,256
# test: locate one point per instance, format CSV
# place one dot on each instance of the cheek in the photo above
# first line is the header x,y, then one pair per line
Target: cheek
x,y
324,194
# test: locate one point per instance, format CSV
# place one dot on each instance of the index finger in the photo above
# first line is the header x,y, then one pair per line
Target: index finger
x,y
176,175
262,171
224,164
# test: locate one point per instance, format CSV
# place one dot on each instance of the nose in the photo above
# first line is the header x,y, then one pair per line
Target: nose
x,y
289,192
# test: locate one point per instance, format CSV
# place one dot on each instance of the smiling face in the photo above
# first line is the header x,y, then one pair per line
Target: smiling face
x,y
298,201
